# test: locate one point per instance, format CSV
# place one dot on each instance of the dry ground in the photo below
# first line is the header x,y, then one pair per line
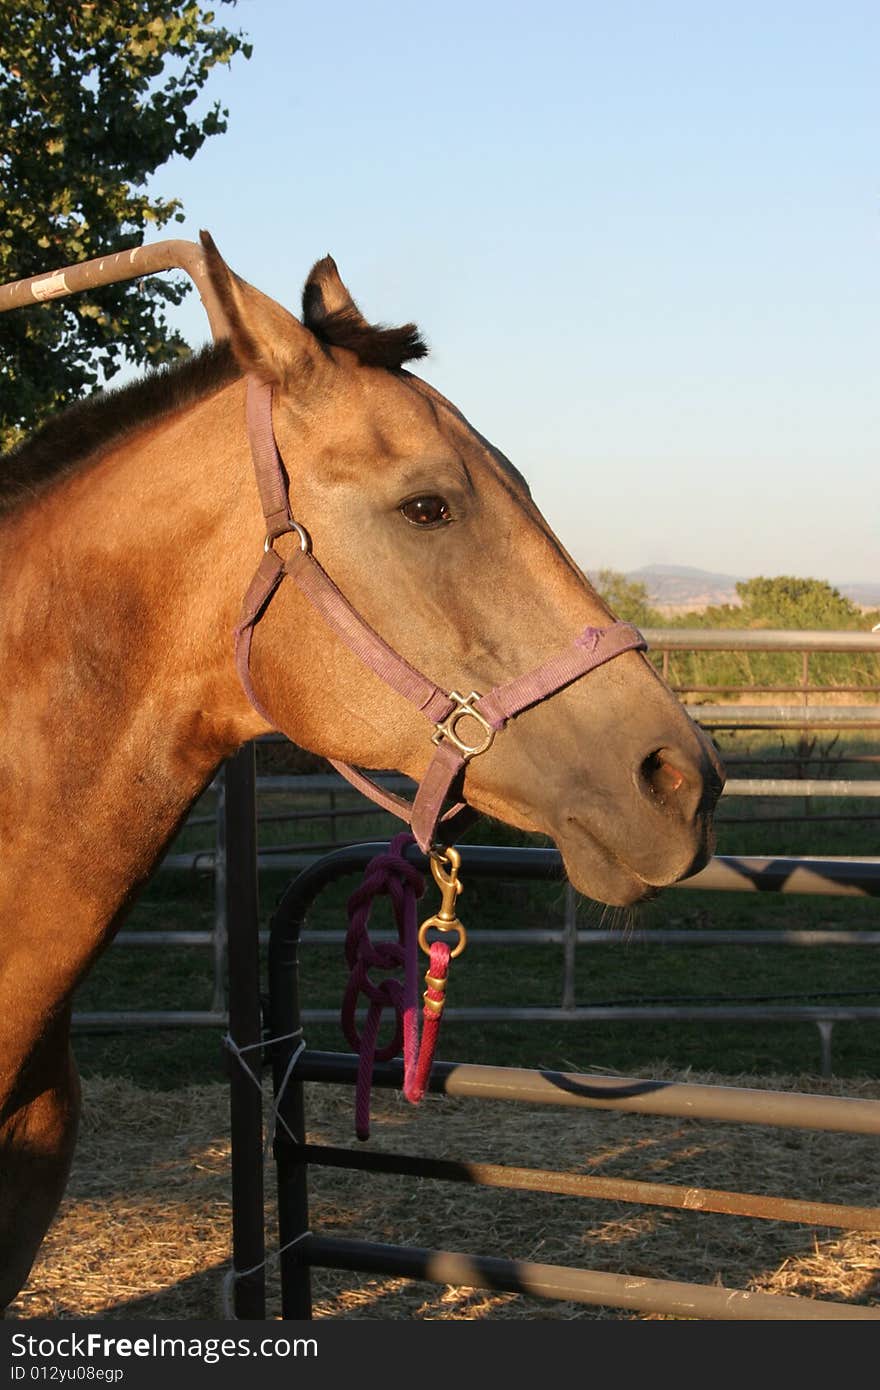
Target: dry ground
x,y
145,1228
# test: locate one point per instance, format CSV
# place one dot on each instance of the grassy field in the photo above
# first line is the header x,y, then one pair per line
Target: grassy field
x,y
624,971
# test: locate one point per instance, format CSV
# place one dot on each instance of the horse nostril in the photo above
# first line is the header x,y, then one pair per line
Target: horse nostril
x,y
660,777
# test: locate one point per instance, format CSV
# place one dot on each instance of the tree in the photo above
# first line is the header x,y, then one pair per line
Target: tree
x,y
784,601
795,603
94,97
628,598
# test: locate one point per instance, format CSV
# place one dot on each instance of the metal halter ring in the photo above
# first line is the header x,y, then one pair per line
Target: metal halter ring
x,y
435,924
305,540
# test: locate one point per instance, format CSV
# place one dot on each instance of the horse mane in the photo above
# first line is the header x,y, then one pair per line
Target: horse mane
x,y
88,426
84,429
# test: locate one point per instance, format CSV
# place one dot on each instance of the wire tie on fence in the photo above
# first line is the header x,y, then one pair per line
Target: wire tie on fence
x,y
232,1276
230,1043
238,1053
276,1118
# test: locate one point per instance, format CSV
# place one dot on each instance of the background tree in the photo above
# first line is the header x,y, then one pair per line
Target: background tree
x,y
628,598
94,97
784,601
798,603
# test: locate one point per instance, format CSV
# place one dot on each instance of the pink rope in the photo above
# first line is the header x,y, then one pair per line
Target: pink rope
x,y
390,874
415,1085
393,875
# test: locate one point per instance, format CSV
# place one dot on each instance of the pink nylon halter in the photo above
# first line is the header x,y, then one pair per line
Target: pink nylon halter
x,y
445,710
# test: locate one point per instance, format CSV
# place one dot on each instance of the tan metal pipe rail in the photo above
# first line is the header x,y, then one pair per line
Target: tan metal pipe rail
x,y
121,265
656,1194
590,1286
731,639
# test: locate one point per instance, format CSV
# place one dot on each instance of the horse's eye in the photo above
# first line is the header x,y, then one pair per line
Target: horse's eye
x,y
426,511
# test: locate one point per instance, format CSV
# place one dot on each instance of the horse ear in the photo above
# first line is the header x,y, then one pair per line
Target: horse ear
x,y
268,342
332,315
324,294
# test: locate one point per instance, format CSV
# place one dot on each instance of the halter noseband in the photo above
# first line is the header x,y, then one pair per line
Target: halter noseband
x,y
446,711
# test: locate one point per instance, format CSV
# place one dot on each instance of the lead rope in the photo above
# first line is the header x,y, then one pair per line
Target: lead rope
x,y
391,874
435,997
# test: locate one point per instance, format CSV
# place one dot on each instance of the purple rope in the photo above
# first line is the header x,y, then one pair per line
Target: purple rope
x,y
390,873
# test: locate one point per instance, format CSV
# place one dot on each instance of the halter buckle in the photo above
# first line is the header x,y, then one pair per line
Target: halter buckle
x,y
448,727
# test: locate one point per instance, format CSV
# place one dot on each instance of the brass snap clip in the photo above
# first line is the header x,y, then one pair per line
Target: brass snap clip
x,y
445,865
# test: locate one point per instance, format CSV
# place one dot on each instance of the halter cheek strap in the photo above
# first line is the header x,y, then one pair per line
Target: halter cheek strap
x,y
464,726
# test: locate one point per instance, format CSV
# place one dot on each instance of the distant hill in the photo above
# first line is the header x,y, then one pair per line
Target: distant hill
x,y
865,595
680,588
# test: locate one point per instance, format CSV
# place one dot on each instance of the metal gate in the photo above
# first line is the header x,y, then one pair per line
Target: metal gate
x,y
301,1249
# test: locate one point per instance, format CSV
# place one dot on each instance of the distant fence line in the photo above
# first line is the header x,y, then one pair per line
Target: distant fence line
x,y
689,655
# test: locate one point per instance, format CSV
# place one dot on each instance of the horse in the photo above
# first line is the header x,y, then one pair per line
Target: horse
x,y
130,525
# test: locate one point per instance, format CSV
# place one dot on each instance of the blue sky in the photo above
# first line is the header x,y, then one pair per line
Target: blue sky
x,y
643,240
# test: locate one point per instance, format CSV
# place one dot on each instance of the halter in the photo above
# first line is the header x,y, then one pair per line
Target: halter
x,y
464,725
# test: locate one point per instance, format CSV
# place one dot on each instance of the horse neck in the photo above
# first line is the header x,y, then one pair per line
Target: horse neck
x,y
120,588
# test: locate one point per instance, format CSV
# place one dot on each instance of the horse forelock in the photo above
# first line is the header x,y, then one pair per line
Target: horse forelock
x,y
373,344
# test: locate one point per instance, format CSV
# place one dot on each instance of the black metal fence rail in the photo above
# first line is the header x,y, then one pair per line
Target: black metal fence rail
x,y
302,1249
724,873
849,877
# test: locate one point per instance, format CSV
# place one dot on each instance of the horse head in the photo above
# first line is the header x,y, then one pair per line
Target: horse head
x,y
433,538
